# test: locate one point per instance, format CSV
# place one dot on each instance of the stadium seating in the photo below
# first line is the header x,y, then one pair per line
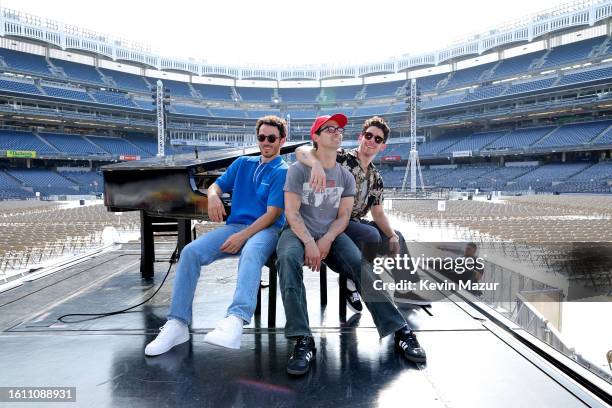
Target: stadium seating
x,y
468,76
330,111
66,93
530,86
19,86
46,181
398,107
214,92
441,143
176,88
371,110
474,142
26,62
520,138
117,146
339,93
443,100
302,114
573,134
256,94
113,98
258,113
385,89
484,93
516,66
430,82
148,143
566,54
125,80
228,112
80,72
598,172
586,76
11,189
190,110
604,139
89,182
72,144
146,104
21,140
553,172
299,95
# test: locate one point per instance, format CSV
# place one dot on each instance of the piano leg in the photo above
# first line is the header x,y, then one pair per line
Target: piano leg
x,y
184,233
147,249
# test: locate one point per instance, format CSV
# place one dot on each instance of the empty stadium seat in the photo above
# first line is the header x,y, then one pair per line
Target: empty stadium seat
x,y
80,72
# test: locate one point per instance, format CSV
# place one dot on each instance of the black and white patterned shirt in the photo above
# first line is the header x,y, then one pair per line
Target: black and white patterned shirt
x,y
369,184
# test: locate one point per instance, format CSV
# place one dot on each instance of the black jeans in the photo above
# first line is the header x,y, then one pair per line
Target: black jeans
x,y
372,242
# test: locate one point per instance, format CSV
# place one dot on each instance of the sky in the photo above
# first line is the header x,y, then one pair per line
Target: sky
x,y
285,33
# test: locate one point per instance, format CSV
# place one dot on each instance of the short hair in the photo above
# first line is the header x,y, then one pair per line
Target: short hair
x,y
272,120
378,122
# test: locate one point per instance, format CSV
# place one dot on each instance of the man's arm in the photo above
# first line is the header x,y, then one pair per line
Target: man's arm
x,y
381,220
216,210
337,227
312,256
237,240
305,155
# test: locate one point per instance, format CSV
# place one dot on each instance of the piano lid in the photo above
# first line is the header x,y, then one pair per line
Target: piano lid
x,y
207,160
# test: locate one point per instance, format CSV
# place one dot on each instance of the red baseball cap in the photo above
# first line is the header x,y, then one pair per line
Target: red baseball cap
x,y
338,117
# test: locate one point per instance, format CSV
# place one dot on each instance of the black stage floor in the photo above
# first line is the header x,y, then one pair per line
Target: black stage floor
x,y
470,364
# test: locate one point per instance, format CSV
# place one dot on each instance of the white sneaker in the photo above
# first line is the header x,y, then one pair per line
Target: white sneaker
x,y
227,333
170,334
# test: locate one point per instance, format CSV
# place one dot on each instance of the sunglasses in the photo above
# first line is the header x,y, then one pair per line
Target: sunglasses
x,y
377,139
271,138
332,129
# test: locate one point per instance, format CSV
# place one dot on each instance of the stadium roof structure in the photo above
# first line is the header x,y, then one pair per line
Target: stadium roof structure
x,y
574,15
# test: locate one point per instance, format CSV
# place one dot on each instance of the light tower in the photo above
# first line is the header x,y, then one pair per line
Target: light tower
x,y
414,165
161,123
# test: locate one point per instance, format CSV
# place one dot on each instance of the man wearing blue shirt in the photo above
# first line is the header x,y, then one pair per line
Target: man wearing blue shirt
x,y
251,231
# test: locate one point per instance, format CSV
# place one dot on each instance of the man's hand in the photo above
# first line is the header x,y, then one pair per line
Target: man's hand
x,y
233,244
317,178
394,246
216,210
324,244
312,256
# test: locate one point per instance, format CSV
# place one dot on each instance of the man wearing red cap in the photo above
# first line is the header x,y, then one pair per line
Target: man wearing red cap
x,y
369,199
316,233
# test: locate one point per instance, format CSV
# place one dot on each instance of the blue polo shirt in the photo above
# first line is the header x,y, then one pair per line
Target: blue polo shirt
x,y
254,187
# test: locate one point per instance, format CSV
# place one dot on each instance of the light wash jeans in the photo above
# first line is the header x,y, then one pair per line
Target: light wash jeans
x,y
204,251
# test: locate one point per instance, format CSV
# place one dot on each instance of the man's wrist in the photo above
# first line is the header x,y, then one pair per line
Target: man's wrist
x,y
394,238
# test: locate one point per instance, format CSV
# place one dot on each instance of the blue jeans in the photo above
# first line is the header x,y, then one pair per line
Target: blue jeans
x,y
345,258
204,251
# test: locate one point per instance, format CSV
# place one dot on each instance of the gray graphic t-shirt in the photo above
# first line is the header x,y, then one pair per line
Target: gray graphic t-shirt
x,y
320,209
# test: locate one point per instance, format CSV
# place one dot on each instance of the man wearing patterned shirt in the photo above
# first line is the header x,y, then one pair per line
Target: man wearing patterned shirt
x,y
369,198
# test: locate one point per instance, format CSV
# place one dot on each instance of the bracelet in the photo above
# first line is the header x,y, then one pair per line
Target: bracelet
x,y
394,238
308,241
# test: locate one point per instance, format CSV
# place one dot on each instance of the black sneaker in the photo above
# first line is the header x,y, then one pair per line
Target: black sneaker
x,y
410,298
353,301
406,341
303,353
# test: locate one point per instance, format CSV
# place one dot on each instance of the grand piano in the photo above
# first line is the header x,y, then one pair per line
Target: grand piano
x,y
169,192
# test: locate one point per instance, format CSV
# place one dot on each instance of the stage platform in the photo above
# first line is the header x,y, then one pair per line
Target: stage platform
x,y
471,361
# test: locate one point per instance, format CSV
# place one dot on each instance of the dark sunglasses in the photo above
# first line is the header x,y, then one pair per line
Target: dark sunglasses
x,y
271,138
377,139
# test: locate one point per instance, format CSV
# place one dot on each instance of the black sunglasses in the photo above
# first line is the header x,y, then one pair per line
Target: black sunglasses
x,y
271,138
332,129
377,139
